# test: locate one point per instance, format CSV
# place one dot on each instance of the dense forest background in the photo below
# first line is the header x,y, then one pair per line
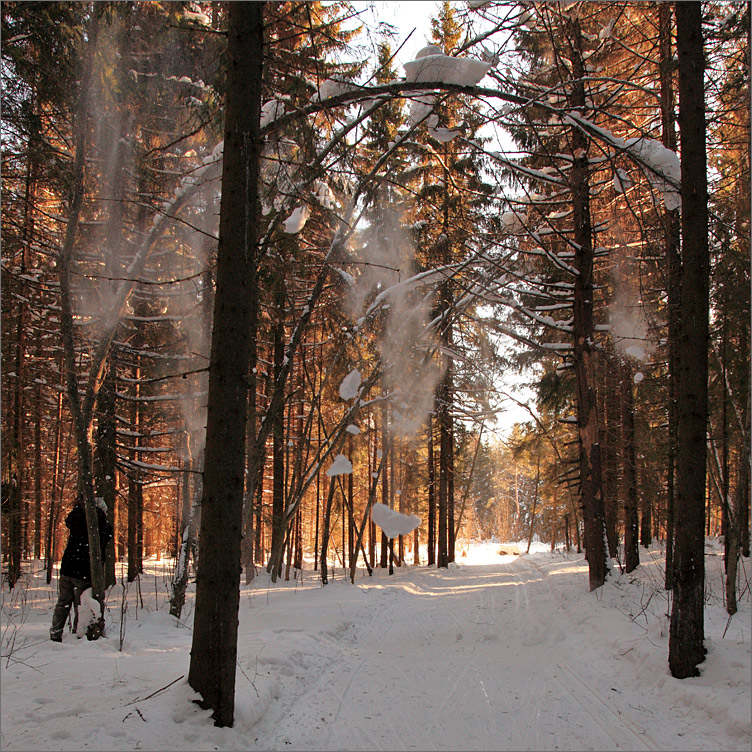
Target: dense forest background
x,y
508,207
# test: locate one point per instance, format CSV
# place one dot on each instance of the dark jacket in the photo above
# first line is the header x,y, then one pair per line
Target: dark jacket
x,y
75,561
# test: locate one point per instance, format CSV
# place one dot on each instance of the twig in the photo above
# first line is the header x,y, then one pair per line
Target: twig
x,y
728,624
166,686
247,677
644,608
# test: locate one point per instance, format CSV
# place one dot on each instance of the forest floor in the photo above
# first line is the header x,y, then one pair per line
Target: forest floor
x,y
499,652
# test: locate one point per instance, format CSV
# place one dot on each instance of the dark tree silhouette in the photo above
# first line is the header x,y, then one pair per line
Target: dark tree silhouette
x,y
214,648
686,649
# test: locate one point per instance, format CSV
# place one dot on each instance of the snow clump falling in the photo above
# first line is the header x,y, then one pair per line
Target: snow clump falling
x,y
629,326
393,523
387,286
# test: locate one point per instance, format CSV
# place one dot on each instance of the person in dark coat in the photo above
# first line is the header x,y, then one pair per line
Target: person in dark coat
x,y
75,568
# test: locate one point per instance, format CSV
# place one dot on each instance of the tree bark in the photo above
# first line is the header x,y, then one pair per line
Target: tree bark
x,y
180,579
736,515
247,544
135,488
215,631
326,529
278,418
535,505
611,428
386,448
629,476
686,648
445,439
671,234
591,487
81,411
431,540
105,460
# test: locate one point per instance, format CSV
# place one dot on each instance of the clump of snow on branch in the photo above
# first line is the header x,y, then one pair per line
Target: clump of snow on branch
x,y
296,221
324,195
393,523
444,135
332,87
513,221
622,182
194,15
349,279
348,389
432,65
340,466
272,110
662,163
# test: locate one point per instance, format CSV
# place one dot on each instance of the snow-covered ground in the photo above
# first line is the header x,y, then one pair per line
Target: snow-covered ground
x,y
499,653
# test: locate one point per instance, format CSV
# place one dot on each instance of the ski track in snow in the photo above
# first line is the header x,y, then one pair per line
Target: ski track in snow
x,y
489,668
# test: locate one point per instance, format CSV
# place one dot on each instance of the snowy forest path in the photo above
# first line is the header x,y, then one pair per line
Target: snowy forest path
x,y
497,653
480,657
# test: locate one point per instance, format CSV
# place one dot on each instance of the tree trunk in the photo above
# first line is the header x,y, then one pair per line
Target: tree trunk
x,y
671,234
646,521
180,579
451,528
135,488
251,481
55,490
741,500
535,505
591,487
366,521
81,410
724,480
431,540
386,447
686,648
445,437
38,473
611,428
105,458
246,545
215,630
278,423
326,530
352,552
629,476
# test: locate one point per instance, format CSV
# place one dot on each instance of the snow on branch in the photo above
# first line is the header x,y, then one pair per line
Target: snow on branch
x,y
662,164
